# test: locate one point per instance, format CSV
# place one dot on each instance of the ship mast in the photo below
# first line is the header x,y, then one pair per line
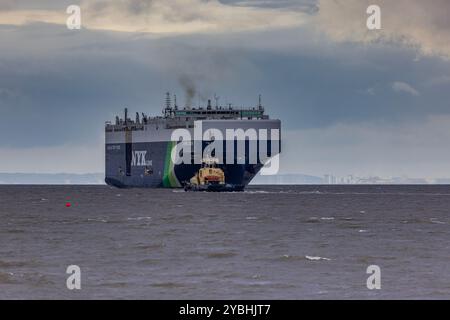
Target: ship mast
x,y
168,109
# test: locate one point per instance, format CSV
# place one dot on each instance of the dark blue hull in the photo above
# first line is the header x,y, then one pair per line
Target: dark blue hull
x,y
149,165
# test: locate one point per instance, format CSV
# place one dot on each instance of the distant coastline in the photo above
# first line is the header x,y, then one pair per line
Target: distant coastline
x,y
280,179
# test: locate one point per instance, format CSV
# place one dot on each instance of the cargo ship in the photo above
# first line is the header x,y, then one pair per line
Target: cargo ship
x,y
140,152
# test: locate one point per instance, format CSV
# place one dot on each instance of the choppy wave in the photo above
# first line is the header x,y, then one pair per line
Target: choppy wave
x,y
6,278
433,220
220,255
139,218
168,285
97,220
285,242
17,263
313,258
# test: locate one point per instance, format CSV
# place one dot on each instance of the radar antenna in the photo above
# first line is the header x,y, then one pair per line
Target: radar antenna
x,y
217,100
168,109
168,101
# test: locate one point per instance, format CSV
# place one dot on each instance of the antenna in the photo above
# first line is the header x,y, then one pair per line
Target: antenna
x,y
175,101
126,115
168,101
259,103
168,109
217,101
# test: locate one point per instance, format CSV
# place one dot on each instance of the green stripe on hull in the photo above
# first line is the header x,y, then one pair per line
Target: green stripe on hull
x,y
169,179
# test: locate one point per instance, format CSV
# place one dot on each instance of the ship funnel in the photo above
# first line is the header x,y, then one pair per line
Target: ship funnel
x,y
209,104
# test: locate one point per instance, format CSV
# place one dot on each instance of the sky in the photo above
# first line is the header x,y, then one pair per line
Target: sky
x,y
351,100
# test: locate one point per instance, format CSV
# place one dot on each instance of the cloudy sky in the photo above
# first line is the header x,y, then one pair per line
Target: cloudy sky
x,y
351,100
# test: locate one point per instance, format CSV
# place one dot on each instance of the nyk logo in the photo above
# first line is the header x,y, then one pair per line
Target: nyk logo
x,y
139,159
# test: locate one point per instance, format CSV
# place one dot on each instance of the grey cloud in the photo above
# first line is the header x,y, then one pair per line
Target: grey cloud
x,y
442,80
62,85
36,5
424,25
138,6
82,79
309,6
399,86
166,17
134,7
417,24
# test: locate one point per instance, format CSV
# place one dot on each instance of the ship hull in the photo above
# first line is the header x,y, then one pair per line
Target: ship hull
x,y
143,158
149,165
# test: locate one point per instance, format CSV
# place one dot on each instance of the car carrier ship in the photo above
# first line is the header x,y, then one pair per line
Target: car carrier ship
x,y
138,153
